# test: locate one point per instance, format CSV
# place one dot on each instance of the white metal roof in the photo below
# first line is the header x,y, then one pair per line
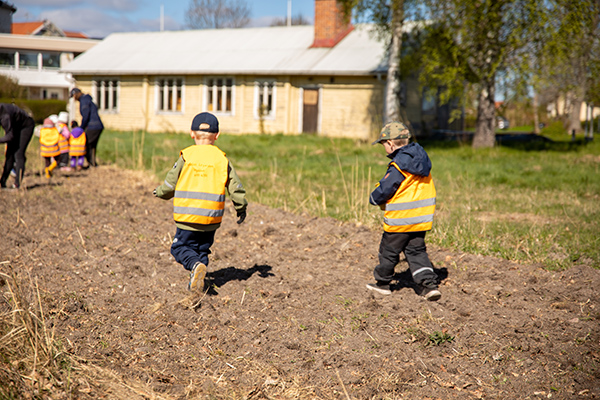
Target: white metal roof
x,y
256,51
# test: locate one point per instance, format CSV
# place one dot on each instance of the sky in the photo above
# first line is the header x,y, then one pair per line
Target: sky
x,y
99,18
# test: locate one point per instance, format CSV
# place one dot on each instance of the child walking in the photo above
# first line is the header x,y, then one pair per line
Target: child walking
x,y
63,141
197,183
407,194
49,150
77,142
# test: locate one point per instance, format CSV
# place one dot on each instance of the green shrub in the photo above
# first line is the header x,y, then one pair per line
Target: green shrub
x,y
38,109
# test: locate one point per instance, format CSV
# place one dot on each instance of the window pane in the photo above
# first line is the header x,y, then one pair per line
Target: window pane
x,y
115,94
50,60
7,59
28,59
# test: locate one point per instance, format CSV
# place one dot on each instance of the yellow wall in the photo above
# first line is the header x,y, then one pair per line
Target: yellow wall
x,y
348,106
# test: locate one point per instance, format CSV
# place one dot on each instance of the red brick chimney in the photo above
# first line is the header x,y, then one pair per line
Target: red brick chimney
x,y
330,24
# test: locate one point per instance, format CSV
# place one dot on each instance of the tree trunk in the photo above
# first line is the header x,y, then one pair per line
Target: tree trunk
x,y
392,95
574,117
536,117
485,135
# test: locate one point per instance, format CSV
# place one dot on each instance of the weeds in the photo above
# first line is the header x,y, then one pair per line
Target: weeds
x,y
438,338
35,364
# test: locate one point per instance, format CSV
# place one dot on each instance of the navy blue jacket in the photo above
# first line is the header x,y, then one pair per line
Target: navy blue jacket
x,y
12,119
411,158
89,114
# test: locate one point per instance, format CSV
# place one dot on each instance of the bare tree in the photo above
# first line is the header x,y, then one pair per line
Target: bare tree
x,y
297,19
217,14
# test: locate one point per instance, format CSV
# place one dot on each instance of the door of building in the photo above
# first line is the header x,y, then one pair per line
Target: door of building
x,y
310,111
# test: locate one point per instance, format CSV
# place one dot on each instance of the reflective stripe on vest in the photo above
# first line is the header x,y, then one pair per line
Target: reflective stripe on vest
x,y
200,190
412,206
77,146
49,142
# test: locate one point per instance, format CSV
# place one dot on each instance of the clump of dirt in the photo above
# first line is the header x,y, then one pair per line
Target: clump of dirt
x,y
287,314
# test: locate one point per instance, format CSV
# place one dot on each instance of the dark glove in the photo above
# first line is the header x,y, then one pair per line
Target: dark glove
x,y
241,216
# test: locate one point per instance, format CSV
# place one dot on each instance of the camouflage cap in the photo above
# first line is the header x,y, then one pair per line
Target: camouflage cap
x,y
393,130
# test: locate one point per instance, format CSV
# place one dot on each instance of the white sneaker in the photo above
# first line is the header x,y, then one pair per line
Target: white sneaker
x,y
197,277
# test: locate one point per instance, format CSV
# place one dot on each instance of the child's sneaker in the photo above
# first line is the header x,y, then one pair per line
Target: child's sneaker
x,y
197,277
430,291
383,288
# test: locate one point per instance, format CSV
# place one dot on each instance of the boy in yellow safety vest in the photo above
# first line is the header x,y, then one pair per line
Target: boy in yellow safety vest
x,y
197,183
49,137
407,194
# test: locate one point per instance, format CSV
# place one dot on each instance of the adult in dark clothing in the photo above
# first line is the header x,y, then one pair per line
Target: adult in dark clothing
x,y
90,123
18,130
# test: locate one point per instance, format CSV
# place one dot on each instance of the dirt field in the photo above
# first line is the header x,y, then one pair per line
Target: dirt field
x,y
287,315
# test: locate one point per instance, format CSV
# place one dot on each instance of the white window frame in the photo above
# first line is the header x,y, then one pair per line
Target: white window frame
x,y
100,101
263,85
214,91
161,93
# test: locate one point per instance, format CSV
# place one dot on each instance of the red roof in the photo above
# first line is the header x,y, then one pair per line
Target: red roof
x,y
78,35
31,28
26,28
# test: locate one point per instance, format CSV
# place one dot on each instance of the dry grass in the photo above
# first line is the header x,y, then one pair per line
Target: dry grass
x,y
35,364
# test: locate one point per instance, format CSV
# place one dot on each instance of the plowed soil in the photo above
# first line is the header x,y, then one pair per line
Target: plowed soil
x,y
287,314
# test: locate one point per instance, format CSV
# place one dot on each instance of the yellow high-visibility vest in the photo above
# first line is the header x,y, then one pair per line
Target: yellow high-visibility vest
x,y
77,145
200,190
49,142
411,208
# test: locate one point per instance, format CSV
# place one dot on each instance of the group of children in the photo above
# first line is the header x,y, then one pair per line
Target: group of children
x,y
61,147
202,175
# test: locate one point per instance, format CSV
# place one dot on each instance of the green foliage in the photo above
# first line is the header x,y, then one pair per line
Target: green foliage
x,y
38,109
10,89
438,338
532,202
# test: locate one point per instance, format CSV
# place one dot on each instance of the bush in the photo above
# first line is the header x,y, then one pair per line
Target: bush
x,y
9,88
38,109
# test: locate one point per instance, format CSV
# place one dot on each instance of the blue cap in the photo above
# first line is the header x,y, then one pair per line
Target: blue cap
x,y
205,122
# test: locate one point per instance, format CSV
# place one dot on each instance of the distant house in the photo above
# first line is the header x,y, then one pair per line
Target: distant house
x,y
43,28
328,79
33,53
6,12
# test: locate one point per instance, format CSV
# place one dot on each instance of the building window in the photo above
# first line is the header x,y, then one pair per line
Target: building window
x,y
219,97
28,60
7,59
264,99
107,94
50,60
169,93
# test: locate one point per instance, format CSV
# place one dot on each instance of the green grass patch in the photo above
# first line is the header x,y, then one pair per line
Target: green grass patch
x,y
531,202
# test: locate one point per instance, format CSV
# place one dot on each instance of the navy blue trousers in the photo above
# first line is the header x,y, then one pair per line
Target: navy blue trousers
x,y
189,247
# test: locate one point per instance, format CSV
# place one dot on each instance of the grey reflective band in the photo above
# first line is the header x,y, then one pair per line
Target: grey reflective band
x,y
410,205
204,212
424,269
409,221
169,185
199,196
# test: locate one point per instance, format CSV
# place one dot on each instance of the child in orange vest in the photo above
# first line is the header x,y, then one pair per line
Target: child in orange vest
x,y
197,183
77,141
49,138
407,194
63,141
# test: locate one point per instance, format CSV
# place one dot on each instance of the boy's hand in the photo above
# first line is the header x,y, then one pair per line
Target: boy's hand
x,y
241,216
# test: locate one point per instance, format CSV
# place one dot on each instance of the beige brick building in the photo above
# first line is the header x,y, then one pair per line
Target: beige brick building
x,y
328,79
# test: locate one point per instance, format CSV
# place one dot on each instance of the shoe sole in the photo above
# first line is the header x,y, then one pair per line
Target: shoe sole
x,y
197,278
434,295
374,288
